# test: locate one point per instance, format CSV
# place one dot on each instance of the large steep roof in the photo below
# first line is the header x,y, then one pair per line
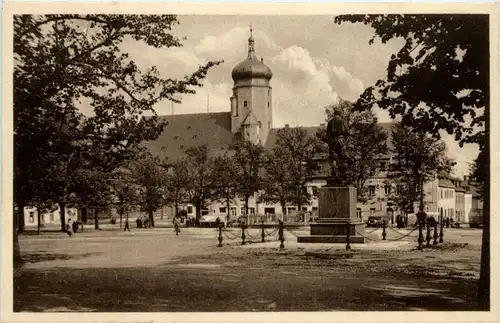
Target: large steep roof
x,y
213,129
192,130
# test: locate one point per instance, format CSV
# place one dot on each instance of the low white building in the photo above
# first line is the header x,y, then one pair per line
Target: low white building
x,y
48,217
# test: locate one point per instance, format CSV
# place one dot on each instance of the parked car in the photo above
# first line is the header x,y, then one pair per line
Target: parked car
x,y
210,220
374,221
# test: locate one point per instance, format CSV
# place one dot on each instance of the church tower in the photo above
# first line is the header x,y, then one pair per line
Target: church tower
x,y
251,103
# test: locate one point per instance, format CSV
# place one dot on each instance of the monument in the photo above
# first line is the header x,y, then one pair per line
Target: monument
x,y
337,200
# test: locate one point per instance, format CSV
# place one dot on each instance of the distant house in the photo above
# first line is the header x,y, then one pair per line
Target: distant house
x,y
51,217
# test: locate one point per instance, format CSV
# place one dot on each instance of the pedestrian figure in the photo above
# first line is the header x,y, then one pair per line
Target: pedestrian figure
x,y
447,222
177,224
75,226
126,226
68,228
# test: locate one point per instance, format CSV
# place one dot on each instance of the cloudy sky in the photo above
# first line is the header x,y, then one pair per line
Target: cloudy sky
x,y
313,60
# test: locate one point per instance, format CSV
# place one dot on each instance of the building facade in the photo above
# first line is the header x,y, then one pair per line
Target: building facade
x,y
250,118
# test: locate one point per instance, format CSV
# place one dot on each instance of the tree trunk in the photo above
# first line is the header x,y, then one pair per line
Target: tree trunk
x,y
151,218
198,210
62,215
121,216
96,219
38,219
20,217
246,204
18,260
176,208
299,204
228,204
484,276
421,204
84,215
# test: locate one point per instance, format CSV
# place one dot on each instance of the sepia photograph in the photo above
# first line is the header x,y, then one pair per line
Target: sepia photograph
x,y
249,162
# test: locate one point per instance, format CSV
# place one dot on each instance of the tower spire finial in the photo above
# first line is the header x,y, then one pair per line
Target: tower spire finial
x,y
251,43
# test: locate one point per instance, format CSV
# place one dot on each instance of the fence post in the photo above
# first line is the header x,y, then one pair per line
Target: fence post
x,y
384,234
348,236
435,233
428,236
420,235
441,234
220,235
263,234
243,233
282,235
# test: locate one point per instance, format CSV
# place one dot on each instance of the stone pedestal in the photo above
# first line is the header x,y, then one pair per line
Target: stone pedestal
x,y
337,207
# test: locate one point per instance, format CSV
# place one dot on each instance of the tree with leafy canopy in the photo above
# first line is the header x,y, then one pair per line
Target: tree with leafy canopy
x,y
62,62
419,157
150,178
224,179
200,167
276,182
177,183
248,159
297,150
124,192
366,143
438,80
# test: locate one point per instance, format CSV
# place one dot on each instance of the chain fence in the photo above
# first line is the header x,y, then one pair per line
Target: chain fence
x,y
246,234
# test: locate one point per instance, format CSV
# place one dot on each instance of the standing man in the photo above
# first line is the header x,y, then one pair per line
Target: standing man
x,y
177,224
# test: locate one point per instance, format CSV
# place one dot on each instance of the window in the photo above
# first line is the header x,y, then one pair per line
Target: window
x,y
441,193
382,166
269,124
188,127
387,189
222,210
251,210
245,104
194,136
268,105
260,124
291,208
315,208
205,211
51,217
372,210
190,210
304,208
233,211
32,217
269,210
314,191
371,189
358,212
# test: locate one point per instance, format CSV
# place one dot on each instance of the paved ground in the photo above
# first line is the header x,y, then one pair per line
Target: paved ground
x,y
154,270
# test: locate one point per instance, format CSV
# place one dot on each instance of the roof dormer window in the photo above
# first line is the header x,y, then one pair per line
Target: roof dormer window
x,y
176,137
245,104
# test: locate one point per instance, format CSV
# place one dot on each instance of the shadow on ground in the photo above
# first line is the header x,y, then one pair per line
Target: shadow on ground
x,y
44,256
233,288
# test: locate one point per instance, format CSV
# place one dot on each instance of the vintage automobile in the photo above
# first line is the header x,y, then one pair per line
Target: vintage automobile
x,y
374,221
210,220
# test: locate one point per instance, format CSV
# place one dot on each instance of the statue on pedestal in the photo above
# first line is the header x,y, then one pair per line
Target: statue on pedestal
x,y
337,132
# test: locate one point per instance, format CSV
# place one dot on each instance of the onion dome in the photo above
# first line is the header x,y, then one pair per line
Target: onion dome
x,y
251,67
